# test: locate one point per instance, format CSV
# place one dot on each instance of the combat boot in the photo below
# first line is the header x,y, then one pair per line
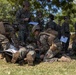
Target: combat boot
x,y
1,56
8,58
64,59
15,57
30,59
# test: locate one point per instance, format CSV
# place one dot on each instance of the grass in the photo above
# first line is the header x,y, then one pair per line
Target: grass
x,y
55,68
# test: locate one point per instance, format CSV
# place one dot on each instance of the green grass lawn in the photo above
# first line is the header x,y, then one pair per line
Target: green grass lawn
x,y
55,68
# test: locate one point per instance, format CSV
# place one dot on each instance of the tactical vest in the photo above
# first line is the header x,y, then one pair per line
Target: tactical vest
x,y
2,28
74,45
48,37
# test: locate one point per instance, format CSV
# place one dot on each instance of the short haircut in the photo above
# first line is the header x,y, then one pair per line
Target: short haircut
x,y
26,3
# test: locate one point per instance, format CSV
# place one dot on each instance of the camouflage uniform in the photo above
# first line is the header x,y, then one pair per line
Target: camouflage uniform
x,y
40,20
4,42
25,54
29,50
74,41
31,54
23,25
59,30
45,39
19,55
53,51
51,45
51,24
65,32
10,34
74,45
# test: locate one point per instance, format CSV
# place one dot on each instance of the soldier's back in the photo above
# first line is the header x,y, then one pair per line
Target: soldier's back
x,y
2,29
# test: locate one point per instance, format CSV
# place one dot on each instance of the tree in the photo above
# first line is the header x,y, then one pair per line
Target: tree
x,y
5,9
8,8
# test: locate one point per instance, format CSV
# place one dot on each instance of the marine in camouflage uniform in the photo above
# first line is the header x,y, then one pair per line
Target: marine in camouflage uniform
x,y
23,17
25,54
66,33
52,43
39,19
4,42
59,29
10,34
53,51
45,39
74,41
51,24
31,54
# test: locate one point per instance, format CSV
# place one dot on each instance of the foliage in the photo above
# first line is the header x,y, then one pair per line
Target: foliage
x,y
8,8
5,7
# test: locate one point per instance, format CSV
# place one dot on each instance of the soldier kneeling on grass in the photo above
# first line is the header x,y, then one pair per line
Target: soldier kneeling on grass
x,y
25,54
44,42
74,44
53,43
4,42
54,53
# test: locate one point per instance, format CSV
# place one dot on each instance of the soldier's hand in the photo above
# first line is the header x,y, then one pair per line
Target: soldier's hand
x,y
26,19
36,49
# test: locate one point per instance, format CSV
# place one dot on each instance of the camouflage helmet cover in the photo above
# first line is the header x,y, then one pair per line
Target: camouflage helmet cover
x,y
35,28
6,41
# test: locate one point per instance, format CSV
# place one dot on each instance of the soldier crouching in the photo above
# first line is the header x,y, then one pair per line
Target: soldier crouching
x,y
25,54
53,51
30,57
4,42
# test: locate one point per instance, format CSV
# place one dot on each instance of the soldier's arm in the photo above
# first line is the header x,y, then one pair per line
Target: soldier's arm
x,y
28,17
46,26
56,27
63,29
18,17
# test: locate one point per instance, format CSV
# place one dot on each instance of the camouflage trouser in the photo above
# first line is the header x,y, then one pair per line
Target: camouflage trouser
x,y
31,57
24,53
32,54
53,51
5,46
28,56
19,55
50,54
22,35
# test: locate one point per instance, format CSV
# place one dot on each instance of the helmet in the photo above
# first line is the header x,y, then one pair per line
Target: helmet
x,y
35,28
6,41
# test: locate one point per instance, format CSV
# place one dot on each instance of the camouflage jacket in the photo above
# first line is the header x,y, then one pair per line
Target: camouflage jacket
x,y
74,45
4,42
46,40
3,39
65,29
20,15
41,23
51,25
